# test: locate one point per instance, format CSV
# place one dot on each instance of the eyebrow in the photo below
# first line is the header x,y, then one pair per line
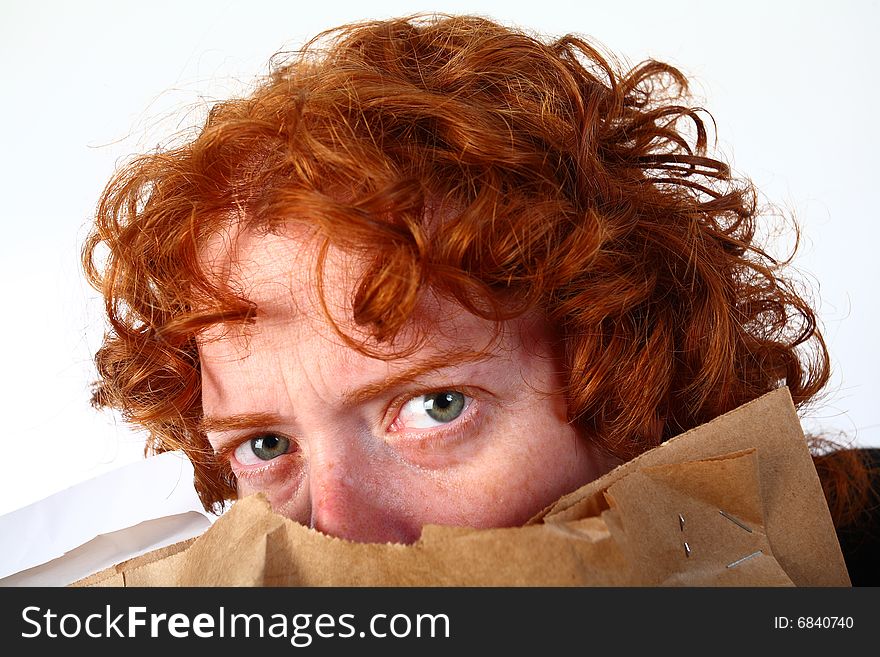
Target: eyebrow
x,y
212,424
439,362
240,421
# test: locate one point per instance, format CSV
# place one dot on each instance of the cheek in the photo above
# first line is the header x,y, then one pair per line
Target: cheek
x,y
536,477
283,486
529,466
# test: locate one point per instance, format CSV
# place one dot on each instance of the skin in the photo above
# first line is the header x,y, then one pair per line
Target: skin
x,y
365,460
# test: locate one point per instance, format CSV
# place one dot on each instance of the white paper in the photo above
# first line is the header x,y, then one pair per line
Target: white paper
x,y
100,522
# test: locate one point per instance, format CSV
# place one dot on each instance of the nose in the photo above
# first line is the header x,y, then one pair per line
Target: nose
x,y
355,495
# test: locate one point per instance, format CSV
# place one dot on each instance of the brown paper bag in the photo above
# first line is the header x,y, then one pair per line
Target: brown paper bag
x,y
735,502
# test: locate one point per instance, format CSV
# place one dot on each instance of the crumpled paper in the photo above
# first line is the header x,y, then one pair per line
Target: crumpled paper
x,y
735,502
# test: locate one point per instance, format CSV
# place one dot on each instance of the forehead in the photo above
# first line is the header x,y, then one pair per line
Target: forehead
x,y
265,267
279,272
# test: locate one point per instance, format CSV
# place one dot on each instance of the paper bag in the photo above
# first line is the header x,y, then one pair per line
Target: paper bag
x,y
735,502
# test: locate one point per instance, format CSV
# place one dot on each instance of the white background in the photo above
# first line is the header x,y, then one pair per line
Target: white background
x,y
792,87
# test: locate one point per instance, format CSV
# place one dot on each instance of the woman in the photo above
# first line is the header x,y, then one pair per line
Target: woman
x,y
434,270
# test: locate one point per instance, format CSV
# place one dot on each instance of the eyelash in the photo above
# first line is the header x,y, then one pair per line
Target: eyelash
x,y
444,433
245,471
432,437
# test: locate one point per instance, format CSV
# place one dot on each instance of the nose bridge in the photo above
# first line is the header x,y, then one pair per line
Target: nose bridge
x,y
351,493
335,477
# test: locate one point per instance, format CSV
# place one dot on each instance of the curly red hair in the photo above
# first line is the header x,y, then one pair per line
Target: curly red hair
x,y
509,174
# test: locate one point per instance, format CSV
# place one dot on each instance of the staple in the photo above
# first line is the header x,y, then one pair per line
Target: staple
x,y
681,523
745,558
734,520
687,550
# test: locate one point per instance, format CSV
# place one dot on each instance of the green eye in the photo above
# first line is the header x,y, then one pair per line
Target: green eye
x,y
269,446
433,409
444,406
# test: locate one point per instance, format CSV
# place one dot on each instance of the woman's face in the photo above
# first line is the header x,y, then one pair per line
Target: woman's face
x,y
469,430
